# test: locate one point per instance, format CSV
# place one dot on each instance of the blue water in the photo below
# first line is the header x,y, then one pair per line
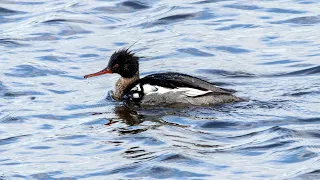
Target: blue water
x,y
55,124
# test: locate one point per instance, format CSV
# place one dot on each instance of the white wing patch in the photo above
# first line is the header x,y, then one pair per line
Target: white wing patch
x,y
147,88
193,92
190,92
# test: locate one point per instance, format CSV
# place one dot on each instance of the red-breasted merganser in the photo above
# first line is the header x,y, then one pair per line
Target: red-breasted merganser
x,y
162,89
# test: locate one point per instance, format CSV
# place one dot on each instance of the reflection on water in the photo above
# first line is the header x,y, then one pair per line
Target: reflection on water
x,y
55,124
130,117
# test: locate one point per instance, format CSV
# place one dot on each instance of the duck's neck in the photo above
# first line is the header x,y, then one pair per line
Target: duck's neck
x,y
122,84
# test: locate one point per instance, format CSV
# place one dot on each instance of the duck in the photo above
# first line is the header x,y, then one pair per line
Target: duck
x,y
161,89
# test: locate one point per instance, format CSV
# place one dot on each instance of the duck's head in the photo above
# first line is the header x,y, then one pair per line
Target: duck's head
x,y
122,62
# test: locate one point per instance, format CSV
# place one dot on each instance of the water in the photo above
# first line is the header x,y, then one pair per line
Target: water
x,y
55,124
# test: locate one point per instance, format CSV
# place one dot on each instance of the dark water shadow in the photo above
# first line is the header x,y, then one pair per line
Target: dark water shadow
x,y
237,26
240,74
45,176
12,139
59,21
175,18
26,71
14,94
12,43
310,175
285,11
303,72
233,74
168,20
42,37
51,58
285,61
243,7
9,12
135,5
305,20
124,7
195,52
73,30
7,93
231,49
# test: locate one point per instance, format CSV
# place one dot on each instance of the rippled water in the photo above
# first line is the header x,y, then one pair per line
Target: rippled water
x,y
55,124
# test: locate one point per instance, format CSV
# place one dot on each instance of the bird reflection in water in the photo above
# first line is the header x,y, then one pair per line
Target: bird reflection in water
x,y
134,119
129,116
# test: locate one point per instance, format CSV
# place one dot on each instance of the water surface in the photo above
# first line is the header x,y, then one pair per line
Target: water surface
x,y
55,124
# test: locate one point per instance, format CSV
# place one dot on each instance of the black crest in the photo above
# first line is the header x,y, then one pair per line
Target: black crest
x,y
124,62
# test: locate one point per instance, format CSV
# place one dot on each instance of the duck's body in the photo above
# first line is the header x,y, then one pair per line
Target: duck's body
x,y
162,89
165,89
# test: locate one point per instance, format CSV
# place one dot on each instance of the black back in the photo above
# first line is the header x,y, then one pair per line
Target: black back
x,y
174,80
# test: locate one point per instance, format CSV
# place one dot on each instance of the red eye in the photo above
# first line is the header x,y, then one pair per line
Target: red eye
x,y
116,65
